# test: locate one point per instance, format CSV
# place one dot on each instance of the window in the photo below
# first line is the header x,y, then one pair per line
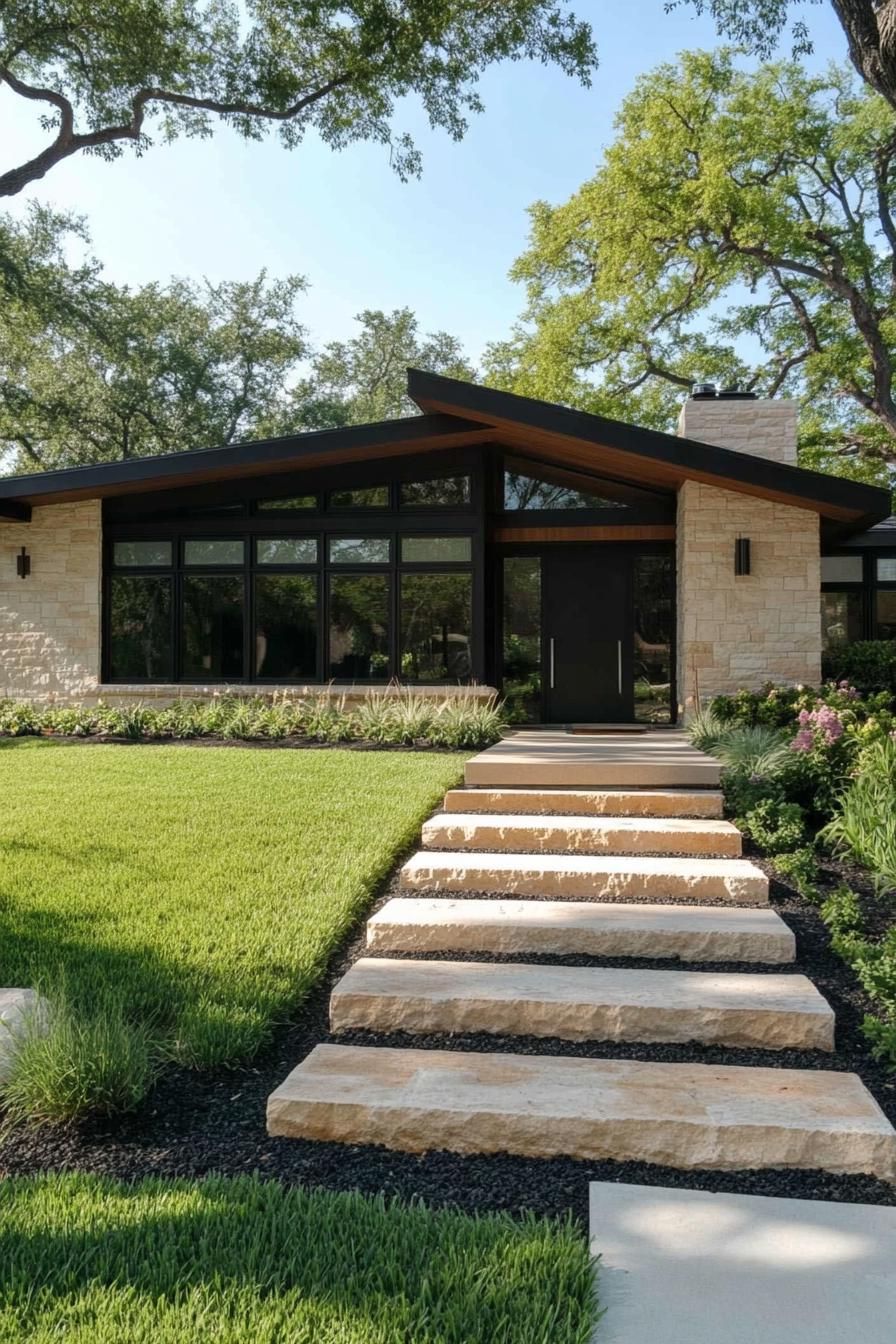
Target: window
x,y
290,502
359,550
212,631
359,627
436,623
140,628
841,569
436,550
652,582
841,618
374,497
886,569
141,554
286,551
522,637
444,492
531,492
885,613
212,553
286,626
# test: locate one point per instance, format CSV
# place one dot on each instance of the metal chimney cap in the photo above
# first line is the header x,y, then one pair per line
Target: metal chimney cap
x,y
734,393
703,391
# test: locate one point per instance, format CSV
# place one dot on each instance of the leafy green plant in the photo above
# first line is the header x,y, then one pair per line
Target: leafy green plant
x,y
800,869
864,824
777,827
869,664
705,728
757,750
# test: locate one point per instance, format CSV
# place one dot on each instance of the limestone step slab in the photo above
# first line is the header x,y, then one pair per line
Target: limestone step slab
x,y
546,758
706,803
700,1267
582,1003
590,928
679,1115
621,877
588,835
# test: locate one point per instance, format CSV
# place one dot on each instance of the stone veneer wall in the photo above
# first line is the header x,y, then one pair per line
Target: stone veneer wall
x,y
736,632
763,428
50,622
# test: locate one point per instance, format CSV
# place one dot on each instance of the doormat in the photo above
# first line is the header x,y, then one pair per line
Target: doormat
x,y
605,732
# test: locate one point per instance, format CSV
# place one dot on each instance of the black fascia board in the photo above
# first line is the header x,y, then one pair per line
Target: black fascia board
x,y
871,502
254,455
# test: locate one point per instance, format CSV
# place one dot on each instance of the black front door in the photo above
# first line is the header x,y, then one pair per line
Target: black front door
x,y
587,635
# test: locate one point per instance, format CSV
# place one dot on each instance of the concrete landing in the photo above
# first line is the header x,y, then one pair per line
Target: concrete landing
x,y
545,758
679,1115
690,1267
568,928
621,877
582,835
589,802
582,1003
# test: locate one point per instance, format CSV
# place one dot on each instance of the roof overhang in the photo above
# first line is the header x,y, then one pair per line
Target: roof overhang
x,y
646,456
298,452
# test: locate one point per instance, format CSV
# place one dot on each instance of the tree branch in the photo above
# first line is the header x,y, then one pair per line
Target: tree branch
x,y
69,142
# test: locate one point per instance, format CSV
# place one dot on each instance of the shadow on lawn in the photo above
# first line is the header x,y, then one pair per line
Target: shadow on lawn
x,y
338,1257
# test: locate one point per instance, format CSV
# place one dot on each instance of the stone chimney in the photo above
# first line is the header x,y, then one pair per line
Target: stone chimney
x,y
765,427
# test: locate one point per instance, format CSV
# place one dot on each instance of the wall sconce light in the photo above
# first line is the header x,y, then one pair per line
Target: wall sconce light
x,y
23,564
742,556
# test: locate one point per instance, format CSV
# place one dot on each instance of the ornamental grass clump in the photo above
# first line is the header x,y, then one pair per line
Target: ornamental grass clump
x,y
864,824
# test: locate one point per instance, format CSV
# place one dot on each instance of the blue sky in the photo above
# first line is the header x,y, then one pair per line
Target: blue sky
x,y
442,245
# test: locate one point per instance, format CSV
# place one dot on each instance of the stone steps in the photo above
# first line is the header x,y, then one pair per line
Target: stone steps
x,y
581,835
620,877
689,1116
538,760
706,803
582,1003
568,928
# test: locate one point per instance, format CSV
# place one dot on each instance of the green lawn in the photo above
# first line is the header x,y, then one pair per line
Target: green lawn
x,y
241,1261
179,901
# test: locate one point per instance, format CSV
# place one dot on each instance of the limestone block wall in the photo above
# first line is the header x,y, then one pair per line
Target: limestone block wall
x,y
765,427
734,631
50,622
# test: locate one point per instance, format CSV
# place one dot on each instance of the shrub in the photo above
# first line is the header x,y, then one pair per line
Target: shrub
x,y
78,1060
403,719
758,750
777,827
773,706
864,824
869,664
800,869
705,728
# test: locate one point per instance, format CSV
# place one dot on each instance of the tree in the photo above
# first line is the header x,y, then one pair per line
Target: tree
x,y
91,372
741,227
108,75
869,25
365,378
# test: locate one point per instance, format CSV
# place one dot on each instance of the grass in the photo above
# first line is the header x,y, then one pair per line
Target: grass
x,y
176,902
93,1261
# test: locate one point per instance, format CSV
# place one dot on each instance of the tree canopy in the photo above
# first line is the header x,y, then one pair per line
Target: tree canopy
x,y
92,372
114,74
740,228
869,25
365,378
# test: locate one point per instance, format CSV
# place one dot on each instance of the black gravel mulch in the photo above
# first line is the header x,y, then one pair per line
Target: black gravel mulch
x,y
196,1123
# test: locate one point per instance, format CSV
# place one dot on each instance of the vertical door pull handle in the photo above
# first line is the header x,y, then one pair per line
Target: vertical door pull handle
x,y
552,662
619,663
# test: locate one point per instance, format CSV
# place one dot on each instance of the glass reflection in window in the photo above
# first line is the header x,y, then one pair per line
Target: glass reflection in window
x,y
436,623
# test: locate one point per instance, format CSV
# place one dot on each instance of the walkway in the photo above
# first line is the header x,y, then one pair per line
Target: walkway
x,y
610,845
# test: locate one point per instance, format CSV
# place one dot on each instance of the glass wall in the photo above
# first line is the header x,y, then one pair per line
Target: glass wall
x,y
654,622
282,601
521,637
858,598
